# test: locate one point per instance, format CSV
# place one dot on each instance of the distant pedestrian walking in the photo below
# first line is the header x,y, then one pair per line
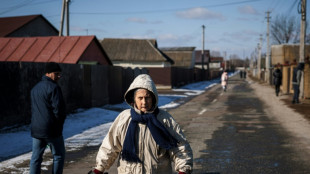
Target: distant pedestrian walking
x,y
47,120
241,74
277,80
297,73
224,80
244,74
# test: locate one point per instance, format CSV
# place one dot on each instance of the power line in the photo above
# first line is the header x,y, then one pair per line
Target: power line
x,y
289,10
161,11
24,4
276,4
16,7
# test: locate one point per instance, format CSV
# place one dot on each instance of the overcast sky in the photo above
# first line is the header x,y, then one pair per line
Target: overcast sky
x,y
231,26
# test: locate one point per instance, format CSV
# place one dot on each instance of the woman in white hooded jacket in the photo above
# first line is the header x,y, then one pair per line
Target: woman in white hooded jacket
x,y
144,138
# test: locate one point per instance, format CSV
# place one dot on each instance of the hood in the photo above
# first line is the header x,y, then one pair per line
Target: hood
x,y
141,81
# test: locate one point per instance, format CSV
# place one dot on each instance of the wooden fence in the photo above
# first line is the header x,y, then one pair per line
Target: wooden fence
x,y
83,86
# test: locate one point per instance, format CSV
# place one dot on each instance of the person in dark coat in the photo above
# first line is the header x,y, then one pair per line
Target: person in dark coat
x,y
277,80
244,74
241,74
47,120
297,73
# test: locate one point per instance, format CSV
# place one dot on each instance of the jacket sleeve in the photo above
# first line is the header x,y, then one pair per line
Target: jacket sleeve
x,y
298,76
58,104
111,145
182,155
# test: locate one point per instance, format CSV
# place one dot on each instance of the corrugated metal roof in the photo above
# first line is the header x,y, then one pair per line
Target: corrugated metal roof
x,y
11,24
144,50
65,49
177,48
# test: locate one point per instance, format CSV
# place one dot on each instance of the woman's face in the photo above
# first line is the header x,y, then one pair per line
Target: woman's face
x,y
143,100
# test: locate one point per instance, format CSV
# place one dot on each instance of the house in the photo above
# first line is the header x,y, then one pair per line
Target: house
x,y
199,63
214,62
182,56
26,26
64,49
141,53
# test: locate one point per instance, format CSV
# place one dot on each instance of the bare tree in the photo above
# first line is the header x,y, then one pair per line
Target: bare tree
x,y
285,29
247,62
236,61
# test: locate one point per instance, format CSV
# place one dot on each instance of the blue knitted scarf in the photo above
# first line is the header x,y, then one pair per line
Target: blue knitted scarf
x,y
160,134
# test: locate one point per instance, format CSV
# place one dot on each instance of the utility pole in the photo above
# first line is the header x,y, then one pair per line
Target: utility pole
x,y
244,61
203,56
268,59
203,47
252,62
259,46
225,60
64,11
302,31
67,11
62,17
302,40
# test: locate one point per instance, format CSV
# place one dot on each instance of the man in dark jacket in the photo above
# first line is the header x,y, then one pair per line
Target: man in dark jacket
x,y
297,73
277,80
48,116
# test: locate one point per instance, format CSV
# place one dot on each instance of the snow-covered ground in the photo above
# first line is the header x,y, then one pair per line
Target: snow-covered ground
x,y
86,127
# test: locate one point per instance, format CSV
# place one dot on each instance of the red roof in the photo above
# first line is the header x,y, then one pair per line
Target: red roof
x,y
11,24
64,49
216,59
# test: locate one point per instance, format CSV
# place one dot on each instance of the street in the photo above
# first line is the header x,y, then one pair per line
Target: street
x,y
237,132
244,130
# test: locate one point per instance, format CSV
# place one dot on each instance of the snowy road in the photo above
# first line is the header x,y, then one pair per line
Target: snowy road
x,y
83,128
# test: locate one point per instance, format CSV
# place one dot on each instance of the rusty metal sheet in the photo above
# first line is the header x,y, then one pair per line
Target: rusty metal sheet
x,y
3,43
78,49
22,49
9,48
50,49
64,49
35,49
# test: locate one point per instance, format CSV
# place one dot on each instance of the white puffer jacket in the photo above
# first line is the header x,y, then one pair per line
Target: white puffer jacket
x,y
155,159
